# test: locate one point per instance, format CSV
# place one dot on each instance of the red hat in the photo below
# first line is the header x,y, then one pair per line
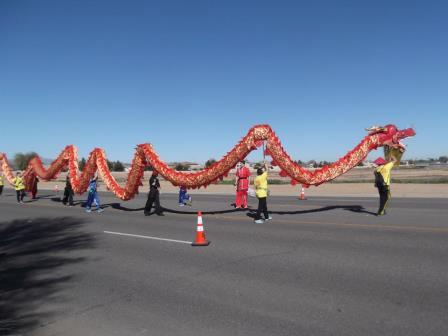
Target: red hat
x,y
380,161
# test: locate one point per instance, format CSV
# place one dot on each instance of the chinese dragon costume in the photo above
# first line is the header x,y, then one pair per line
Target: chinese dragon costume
x,y
388,136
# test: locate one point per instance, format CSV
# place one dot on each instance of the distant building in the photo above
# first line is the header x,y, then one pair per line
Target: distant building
x,y
196,166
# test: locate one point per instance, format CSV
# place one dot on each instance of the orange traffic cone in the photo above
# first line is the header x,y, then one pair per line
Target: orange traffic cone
x,y
200,234
302,194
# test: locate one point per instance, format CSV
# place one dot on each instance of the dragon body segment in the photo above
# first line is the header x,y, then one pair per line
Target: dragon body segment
x,y
145,155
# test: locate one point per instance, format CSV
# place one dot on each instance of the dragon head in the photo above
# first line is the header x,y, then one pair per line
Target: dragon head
x,y
391,136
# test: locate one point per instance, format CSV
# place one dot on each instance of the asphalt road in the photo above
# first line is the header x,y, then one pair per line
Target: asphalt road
x,y
324,266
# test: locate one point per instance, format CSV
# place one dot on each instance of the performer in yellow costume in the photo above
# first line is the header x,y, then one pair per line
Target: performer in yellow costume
x,y
19,186
261,190
382,181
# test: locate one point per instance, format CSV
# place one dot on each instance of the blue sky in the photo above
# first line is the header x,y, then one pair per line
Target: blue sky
x,y
191,77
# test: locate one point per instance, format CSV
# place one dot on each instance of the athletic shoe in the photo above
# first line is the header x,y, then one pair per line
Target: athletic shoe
x,y
88,210
259,221
100,210
269,218
181,204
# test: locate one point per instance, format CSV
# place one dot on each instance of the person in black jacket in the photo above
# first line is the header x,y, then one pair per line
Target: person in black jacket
x,y
153,196
1,184
68,192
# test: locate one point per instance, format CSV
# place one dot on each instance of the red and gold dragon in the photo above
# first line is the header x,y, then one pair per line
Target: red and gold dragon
x,y
145,155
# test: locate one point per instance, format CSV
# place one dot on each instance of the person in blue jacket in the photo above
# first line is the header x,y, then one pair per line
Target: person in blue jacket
x,y
92,196
184,198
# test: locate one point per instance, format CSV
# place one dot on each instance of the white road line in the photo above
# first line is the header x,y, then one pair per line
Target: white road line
x,y
148,237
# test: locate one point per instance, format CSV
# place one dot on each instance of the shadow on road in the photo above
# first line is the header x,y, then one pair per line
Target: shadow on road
x,y
45,196
212,212
31,252
250,211
28,199
118,206
59,200
353,208
361,210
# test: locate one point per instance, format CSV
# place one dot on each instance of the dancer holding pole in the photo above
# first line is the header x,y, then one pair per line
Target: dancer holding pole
x,y
261,191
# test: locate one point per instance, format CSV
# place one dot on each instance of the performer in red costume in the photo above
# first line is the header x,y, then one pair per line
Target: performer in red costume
x,y
242,182
33,191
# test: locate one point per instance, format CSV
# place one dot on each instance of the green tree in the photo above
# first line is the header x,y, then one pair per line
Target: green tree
x,y
82,164
258,165
312,163
21,160
443,159
182,167
209,162
118,166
